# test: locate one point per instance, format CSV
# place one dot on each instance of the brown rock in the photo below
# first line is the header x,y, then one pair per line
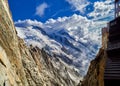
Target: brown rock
x,y
95,74
23,66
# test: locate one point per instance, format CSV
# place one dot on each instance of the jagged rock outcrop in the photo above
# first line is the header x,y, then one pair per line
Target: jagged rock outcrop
x,y
27,66
95,74
40,70
12,69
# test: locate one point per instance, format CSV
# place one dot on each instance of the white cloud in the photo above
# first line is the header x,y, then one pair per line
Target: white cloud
x,y
102,10
84,32
76,26
40,10
79,5
28,22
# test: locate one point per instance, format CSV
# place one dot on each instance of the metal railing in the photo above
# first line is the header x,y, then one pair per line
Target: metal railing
x,y
112,46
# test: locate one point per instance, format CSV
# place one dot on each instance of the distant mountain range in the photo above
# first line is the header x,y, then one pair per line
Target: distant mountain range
x,y
58,51
73,46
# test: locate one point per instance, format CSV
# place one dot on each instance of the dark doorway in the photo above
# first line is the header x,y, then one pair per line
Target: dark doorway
x,y
112,82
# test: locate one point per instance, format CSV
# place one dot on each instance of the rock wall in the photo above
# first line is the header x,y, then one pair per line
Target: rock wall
x,y
95,74
12,71
23,66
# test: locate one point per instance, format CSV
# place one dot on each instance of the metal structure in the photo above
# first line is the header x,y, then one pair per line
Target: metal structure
x,y
112,68
117,8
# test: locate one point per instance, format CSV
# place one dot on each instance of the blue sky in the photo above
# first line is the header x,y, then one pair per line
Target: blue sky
x,y
91,15
81,19
26,9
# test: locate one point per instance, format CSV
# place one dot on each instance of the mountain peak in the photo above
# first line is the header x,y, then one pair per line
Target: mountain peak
x,y
22,65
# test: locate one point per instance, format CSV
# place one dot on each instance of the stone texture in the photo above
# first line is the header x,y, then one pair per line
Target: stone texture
x,y
27,66
95,74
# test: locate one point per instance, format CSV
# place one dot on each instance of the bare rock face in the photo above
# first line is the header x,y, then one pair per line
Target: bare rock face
x,y
23,66
12,71
95,74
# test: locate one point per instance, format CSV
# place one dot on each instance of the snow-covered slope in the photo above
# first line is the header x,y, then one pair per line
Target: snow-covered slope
x,y
74,40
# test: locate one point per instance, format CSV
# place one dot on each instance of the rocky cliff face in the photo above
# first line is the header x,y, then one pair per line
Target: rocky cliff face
x,y
95,74
23,66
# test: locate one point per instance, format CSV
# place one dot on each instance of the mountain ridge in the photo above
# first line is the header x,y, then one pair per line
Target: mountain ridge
x,y
60,42
95,74
22,65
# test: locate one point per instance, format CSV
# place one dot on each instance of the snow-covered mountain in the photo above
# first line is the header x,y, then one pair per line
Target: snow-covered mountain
x,y
74,40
